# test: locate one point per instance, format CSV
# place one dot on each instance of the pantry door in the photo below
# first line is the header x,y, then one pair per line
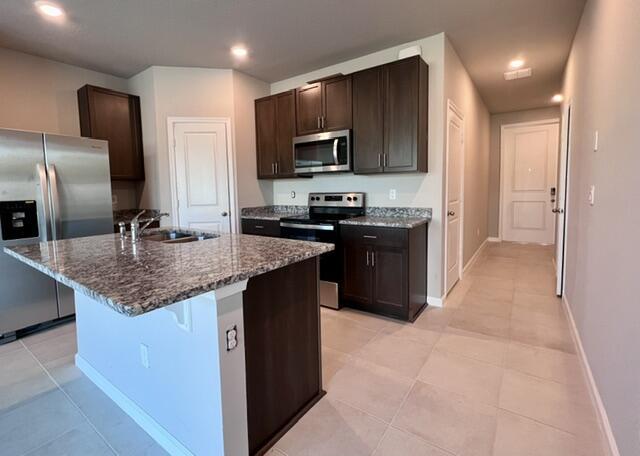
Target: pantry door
x,y
202,193
529,158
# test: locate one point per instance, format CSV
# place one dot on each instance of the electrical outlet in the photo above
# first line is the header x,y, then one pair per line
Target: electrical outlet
x,y
392,194
293,195
232,338
592,195
144,356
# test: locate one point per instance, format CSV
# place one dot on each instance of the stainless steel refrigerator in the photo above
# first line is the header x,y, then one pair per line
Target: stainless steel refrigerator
x,y
51,187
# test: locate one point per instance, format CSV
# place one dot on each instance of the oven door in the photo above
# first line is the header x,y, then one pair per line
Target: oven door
x,y
330,262
323,152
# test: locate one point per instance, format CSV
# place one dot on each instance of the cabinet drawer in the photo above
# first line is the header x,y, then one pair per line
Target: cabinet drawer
x,y
261,227
391,237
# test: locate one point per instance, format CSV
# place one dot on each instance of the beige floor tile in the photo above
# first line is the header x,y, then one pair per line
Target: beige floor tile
x,y
539,318
332,428
457,294
544,286
434,318
484,324
473,345
556,337
550,305
548,402
82,440
496,270
21,378
498,250
410,331
492,287
374,389
487,305
344,335
545,363
364,319
465,376
517,435
448,420
399,354
400,443
50,350
275,452
332,362
9,347
67,328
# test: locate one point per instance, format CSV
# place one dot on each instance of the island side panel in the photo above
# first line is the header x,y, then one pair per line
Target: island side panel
x,y
170,371
282,350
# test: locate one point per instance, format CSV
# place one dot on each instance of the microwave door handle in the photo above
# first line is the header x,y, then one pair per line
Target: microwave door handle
x,y
335,152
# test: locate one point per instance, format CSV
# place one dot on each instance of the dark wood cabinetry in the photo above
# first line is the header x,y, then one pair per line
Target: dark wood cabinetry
x,y
115,117
261,227
391,117
275,129
324,106
385,270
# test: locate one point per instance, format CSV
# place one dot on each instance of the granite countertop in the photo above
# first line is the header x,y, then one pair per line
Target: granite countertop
x,y
125,215
137,278
387,222
272,212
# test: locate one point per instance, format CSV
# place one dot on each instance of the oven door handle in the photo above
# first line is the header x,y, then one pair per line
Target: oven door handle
x,y
305,226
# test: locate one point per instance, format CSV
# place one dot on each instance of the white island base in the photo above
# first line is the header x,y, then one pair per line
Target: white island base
x,y
170,370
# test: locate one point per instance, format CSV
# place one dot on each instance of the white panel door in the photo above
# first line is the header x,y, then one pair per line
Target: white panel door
x,y
561,206
455,161
202,181
529,170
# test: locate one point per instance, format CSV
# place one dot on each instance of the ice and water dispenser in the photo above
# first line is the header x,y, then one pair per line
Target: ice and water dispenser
x,y
18,220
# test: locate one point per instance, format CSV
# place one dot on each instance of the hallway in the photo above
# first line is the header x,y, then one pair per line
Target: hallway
x,y
494,372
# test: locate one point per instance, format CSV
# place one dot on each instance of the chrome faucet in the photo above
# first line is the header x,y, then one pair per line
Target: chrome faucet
x,y
136,230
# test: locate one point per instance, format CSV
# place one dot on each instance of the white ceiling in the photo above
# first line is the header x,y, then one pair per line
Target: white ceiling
x,y
289,37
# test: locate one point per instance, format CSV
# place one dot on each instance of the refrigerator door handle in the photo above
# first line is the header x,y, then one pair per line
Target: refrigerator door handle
x,y
45,225
55,202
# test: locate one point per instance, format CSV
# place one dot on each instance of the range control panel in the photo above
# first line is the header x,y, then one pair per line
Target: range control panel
x,y
18,220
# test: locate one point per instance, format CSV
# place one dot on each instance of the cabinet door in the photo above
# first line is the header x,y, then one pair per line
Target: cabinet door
x,y
390,280
368,120
114,117
336,101
401,115
357,273
266,143
309,108
286,130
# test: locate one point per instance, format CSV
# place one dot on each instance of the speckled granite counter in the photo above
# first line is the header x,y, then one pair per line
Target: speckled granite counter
x,y
125,215
272,212
135,279
392,217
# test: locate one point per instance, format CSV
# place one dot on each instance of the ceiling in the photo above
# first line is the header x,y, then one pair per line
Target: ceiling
x,y
290,37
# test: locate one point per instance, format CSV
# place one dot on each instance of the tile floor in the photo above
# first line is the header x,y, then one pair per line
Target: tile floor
x,y
494,372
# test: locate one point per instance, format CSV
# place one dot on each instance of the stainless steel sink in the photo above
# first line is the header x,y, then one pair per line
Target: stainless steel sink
x,y
177,237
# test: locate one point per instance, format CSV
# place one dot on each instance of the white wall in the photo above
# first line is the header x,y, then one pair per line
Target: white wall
x,y
417,190
603,242
460,89
196,92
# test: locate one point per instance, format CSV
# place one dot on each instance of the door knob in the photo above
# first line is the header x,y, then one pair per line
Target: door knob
x,y
557,211
451,213
224,213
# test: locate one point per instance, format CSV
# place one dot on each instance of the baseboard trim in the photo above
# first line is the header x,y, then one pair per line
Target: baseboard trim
x,y
593,388
144,420
494,239
435,302
475,257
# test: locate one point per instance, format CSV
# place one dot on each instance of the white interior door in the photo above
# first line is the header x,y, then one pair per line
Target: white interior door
x,y
561,205
201,175
529,170
455,162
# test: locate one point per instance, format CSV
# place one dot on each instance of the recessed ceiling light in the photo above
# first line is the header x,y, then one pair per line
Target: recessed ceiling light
x,y
516,63
557,98
49,9
239,51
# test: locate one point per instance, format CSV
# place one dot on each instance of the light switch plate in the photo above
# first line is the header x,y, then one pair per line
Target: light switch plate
x,y
596,137
592,195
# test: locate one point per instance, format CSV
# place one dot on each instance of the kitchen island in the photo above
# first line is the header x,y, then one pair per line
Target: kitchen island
x,y
211,346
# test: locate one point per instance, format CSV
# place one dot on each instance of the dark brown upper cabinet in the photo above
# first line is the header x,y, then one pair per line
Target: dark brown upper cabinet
x,y
324,106
390,126
275,129
115,117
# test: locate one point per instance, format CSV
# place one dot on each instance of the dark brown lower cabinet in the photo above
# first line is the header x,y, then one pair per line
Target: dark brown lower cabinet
x,y
385,270
282,350
261,227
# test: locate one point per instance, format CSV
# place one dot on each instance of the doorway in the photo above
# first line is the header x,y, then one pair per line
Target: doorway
x,y
528,190
454,196
202,178
561,208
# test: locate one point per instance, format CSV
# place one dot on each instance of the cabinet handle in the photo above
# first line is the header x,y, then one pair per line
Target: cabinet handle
x,y
384,156
319,122
373,259
323,123
368,236
259,227
379,161
277,168
367,258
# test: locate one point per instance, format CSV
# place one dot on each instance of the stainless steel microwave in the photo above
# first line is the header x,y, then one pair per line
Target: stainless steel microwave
x,y
323,152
